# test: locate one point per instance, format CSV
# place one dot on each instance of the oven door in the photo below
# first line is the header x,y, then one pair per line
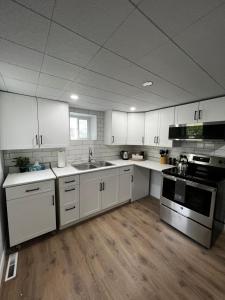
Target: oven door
x,y
197,201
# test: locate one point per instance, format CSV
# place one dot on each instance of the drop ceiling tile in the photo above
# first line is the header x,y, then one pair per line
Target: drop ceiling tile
x,y
60,68
52,81
172,64
48,92
19,55
95,20
205,42
66,45
136,37
43,7
173,16
20,25
15,72
20,87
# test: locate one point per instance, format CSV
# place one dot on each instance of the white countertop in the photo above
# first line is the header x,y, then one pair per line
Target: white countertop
x,y
28,177
149,164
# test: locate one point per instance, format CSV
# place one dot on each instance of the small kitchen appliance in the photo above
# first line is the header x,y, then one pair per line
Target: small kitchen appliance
x,y
124,155
61,159
193,197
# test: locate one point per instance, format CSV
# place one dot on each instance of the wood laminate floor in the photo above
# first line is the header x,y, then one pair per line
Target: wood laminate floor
x,y
127,253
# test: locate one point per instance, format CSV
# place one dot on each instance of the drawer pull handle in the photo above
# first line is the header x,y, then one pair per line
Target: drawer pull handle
x,y
53,200
33,190
73,207
70,181
126,170
73,189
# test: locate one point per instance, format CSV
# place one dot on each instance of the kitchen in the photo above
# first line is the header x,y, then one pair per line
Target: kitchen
x,y
112,149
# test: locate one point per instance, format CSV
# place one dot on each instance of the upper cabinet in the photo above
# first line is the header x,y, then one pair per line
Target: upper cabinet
x,y
135,128
212,110
18,122
53,118
157,127
186,114
26,124
115,131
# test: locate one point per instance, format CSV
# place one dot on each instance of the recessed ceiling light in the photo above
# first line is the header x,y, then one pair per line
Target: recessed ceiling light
x,y
147,83
132,108
74,97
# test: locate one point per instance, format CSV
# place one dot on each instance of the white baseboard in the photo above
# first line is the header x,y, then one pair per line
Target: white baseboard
x,y
2,264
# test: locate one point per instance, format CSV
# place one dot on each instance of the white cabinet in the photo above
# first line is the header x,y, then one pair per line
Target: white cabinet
x,y
212,110
186,114
151,127
115,132
157,127
166,118
31,211
140,187
53,117
90,194
135,129
18,122
26,124
110,188
69,200
125,183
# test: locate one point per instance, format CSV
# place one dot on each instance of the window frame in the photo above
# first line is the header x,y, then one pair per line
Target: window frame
x,y
80,116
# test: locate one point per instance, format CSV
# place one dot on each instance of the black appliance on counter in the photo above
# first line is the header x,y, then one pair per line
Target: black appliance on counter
x,y
124,155
198,131
194,201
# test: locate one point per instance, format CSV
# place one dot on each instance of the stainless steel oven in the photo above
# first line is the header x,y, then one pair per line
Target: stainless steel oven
x,y
193,200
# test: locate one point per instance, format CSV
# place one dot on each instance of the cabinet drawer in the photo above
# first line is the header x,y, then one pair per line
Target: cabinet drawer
x,y
69,180
69,194
109,172
29,189
69,213
127,169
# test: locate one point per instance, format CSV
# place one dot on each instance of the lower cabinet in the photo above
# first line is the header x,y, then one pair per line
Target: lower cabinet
x,y
98,191
140,188
125,184
31,211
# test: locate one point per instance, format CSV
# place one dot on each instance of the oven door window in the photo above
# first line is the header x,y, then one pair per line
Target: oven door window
x,y
198,200
168,191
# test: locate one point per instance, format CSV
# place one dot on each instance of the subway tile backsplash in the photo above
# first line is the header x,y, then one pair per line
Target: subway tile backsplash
x,y
78,150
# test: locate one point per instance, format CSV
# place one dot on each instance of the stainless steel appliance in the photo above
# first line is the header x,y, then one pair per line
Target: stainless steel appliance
x,y
124,155
198,131
194,202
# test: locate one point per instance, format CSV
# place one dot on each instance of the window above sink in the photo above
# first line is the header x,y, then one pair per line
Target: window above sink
x,y
83,126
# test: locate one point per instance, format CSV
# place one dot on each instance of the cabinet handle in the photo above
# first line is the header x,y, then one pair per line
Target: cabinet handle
x,y
143,140
53,200
103,186
132,178
73,207
113,139
41,138
100,187
199,114
69,181
195,115
73,189
36,138
33,190
126,170
157,139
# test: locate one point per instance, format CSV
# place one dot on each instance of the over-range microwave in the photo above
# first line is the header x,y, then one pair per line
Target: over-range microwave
x,y
198,131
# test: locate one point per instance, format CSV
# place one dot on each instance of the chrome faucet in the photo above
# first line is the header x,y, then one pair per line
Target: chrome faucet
x,y
90,156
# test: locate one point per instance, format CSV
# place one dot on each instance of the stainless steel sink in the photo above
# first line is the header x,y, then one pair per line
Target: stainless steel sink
x,y
84,166
102,163
94,165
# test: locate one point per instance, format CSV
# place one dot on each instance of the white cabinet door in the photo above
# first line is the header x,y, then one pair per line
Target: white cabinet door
x,y
135,128
119,128
212,110
140,187
166,118
125,187
18,122
186,114
110,188
151,127
53,118
90,194
30,216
